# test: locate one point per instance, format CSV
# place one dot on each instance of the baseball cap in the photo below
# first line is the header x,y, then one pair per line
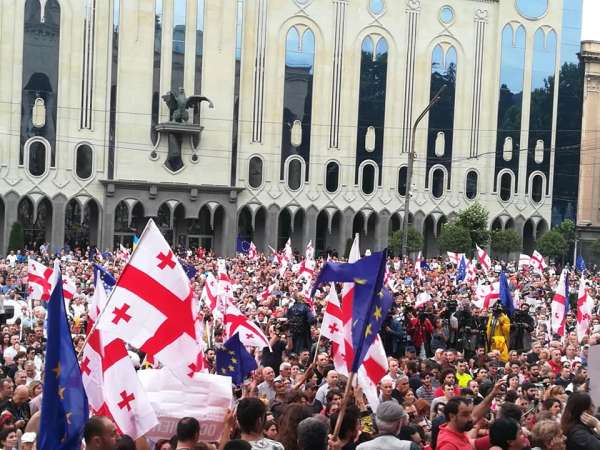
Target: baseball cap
x,y
390,412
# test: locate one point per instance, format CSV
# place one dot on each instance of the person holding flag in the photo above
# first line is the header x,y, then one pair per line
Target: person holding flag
x,y
498,326
64,402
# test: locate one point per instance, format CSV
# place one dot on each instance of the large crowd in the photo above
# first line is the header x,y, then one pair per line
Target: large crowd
x,y
461,376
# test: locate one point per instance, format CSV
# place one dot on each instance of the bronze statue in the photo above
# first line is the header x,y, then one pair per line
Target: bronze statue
x,y
178,105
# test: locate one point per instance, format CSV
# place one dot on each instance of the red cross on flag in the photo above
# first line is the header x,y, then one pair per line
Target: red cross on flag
x,y
252,252
524,261
559,304
372,371
209,293
69,288
538,262
250,333
585,305
151,305
471,275
484,259
332,328
455,257
40,280
110,380
487,295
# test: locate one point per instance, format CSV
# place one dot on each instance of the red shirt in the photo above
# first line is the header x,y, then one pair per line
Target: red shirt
x,y
451,440
439,392
556,367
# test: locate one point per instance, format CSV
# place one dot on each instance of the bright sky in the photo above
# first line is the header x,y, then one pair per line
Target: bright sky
x,y
591,13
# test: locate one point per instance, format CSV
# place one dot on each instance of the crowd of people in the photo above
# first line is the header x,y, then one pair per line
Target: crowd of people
x,y
462,374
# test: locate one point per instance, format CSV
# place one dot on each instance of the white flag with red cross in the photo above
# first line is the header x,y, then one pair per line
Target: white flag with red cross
x,y
250,334
151,306
372,371
538,262
121,396
40,280
484,259
486,295
252,252
332,328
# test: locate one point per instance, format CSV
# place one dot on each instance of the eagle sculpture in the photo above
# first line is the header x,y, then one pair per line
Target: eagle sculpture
x,y
179,104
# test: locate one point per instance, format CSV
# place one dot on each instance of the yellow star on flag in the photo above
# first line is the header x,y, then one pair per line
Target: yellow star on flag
x,y
368,330
234,360
56,370
360,281
231,368
377,313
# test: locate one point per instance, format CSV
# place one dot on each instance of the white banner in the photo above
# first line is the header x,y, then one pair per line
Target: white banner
x,y
207,399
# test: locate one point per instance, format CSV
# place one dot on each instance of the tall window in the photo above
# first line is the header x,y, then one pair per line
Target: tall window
x,y
37,159
114,71
199,46
39,96
368,179
542,102
437,183
441,117
471,185
294,174
157,57
537,188
371,102
178,54
505,187
332,177
510,104
402,180
297,95
84,161
255,172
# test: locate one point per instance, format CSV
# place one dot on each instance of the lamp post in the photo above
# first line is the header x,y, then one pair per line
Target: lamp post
x,y
411,161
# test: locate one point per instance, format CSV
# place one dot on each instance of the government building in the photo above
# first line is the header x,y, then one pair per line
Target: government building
x,y
235,120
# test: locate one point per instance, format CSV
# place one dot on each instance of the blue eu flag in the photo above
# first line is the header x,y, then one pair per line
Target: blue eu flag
x,y
189,270
461,273
371,302
64,403
242,245
505,296
107,279
580,264
234,360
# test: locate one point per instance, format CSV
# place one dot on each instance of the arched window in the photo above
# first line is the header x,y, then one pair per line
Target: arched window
x,y
537,188
471,185
505,187
294,174
84,161
255,172
332,177
402,179
368,179
37,159
437,183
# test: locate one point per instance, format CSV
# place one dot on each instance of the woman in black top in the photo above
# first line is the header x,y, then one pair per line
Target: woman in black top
x,y
579,425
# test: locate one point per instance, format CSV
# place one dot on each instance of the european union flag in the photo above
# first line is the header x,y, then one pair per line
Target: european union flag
x,y
107,279
189,270
371,302
505,296
64,403
580,264
461,272
234,360
425,265
242,245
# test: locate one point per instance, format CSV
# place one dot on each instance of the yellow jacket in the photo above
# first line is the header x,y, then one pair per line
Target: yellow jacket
x,y
498,335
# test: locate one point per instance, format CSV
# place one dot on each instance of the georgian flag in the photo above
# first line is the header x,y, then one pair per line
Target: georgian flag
x,y
151,306
585,304
110,380
486,295
538,262
454,257
252,252
40,280
419,267
373,369
209,294
471,276
560,304
309,252
524,261
484,259
250,334
422,299
332,328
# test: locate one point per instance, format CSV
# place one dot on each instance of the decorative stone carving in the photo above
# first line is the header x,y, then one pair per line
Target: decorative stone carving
x,y
440,144
370,139
296,135
350,196
507,150
38,114
481,15
539,151
414,5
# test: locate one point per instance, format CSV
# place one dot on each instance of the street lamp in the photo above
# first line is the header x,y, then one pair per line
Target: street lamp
x,y
411,161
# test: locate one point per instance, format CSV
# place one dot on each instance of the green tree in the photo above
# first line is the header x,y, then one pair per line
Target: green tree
x,y
16,240
553,245
455,238
414,242
505,242
567,230
475,220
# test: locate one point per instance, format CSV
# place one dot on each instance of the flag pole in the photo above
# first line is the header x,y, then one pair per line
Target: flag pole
x,y
87,337
344,406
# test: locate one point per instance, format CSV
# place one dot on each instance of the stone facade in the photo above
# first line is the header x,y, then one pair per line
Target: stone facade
x,y
313,103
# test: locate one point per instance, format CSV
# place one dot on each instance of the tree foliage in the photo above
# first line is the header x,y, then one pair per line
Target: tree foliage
x,y
505,241
414,242
16,240
474,219
455,238
553,245
567,230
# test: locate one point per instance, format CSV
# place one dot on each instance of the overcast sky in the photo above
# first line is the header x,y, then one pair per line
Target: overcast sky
x,y
591,17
